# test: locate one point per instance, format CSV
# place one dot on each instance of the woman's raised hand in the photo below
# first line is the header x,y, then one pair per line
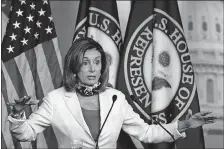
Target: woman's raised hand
x,y
20,104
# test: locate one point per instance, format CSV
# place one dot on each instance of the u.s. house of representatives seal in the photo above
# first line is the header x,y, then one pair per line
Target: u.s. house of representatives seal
x,y
105,29
158,70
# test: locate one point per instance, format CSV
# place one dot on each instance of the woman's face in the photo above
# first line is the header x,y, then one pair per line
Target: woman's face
x,y
90,69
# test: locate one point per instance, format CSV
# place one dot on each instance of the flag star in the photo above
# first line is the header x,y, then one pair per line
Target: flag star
x,y
23,2
45,2
16,25
41,12
36,35
27,30
19,13
48,29
30,18
13,37
32,6
24,41
38,24
50,18
10,49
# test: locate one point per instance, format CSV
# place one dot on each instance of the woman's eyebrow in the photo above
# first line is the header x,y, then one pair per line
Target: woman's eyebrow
x,y
98,57
85,59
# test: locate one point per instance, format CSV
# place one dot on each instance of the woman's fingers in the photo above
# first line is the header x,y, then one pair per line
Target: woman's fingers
x,y
33,102
204,118
11,104
24,99
211,118
189,114
203,113
22,103
19,107
208,121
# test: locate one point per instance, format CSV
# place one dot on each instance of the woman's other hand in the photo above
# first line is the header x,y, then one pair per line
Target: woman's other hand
x,y
196,120
200,118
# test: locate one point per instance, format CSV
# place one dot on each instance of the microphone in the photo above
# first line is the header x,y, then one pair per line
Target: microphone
x,y
114,98
172,136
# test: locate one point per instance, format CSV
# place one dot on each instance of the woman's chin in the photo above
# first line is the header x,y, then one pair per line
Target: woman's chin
x,y
91,82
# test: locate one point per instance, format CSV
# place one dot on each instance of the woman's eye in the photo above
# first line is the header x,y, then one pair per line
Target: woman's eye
x,y
97,62
85,63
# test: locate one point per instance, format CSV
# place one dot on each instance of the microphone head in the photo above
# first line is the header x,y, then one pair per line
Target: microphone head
x,y
114,98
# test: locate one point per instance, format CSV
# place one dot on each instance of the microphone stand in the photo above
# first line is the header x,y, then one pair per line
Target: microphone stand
x,y
97,138
172,136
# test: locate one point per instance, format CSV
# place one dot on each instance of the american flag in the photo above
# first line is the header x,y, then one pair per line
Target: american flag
x,y
31,63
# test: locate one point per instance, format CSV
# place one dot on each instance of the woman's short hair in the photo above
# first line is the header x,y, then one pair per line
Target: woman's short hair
x,y
73,61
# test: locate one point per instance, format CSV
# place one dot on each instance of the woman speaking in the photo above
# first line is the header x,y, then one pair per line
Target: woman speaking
x,y
87,111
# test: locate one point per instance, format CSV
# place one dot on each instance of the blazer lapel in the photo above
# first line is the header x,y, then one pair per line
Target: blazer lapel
x,y
105,105
73,105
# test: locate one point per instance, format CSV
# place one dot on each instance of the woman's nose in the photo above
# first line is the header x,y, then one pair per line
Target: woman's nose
x,y
92,68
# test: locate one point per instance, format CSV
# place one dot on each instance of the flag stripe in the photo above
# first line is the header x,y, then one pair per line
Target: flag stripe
x,y
3,143
137,143
26,75
43,71
6,7
5,125
11,95
41,141
16,78
26,145
52,61
5,20
51,138
9,86
58,53
31,58
3,87
28,82
17,81
18,87
47,85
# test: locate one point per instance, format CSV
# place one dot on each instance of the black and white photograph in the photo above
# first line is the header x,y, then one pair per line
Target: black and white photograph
x,y
112,74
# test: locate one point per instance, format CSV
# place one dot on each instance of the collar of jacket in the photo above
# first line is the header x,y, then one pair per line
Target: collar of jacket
x,y
72,102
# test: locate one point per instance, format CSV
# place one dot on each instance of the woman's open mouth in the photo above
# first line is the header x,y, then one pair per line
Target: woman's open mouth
x,y
91,77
